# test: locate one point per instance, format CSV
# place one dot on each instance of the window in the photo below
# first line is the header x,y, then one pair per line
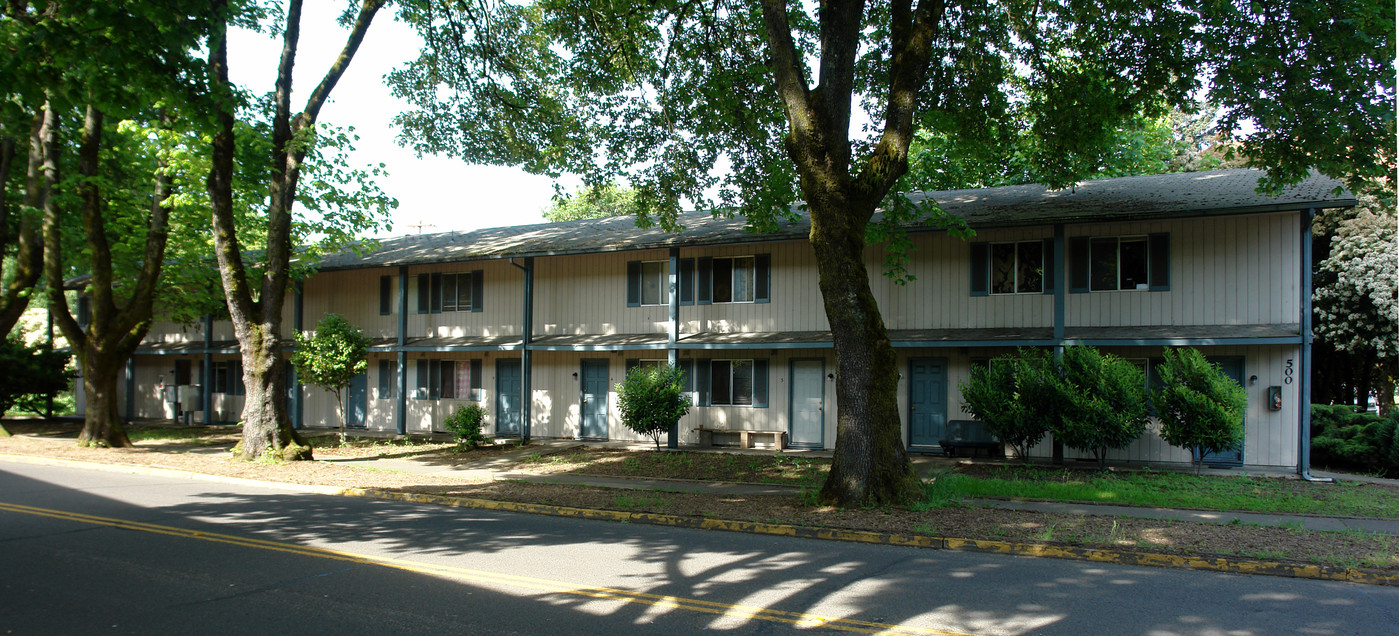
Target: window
x,y
448,380
655,283
736,279
1023,267
1112,263
385,295
1017,268
686,366
388,379
228,378
441,292
648,282
732,382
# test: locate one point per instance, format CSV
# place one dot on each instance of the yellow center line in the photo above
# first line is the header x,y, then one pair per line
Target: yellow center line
x,y
482,576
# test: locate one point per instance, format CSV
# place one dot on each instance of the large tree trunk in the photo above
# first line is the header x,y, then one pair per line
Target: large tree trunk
x,y
870,466
102,426
267,430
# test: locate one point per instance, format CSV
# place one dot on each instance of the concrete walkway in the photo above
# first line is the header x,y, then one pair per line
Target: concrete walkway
x,y
498,467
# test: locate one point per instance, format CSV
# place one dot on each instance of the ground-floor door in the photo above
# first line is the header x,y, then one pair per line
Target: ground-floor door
x,y
357,401
508,408
927,402
1234,368
593,401
808,404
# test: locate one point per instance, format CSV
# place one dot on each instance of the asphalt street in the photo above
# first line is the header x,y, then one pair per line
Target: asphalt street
x,y
85,552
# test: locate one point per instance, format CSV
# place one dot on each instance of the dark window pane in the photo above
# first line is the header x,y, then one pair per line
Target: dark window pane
x,y
723,280
1003,268
1029,257
449,380
449,292
1133,263
742,381
719,386
385,295
1104,263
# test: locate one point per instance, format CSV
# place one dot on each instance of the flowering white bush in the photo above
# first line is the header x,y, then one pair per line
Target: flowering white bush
x,y
1357,293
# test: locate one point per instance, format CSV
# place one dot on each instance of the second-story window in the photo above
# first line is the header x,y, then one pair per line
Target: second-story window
x,y
733,280
1117,263
655,283
1017,268
441,292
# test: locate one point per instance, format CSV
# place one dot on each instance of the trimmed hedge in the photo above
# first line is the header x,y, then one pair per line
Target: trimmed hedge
x,y
1362,441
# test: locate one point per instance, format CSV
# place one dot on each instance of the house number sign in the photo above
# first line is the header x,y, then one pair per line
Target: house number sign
x,y
1287,372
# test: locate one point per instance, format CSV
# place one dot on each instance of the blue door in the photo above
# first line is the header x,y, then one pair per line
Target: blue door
x,y
357,401
594,399
927,402
1234,368
507,391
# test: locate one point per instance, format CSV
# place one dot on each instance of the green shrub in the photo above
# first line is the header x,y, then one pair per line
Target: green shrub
x,y
652,399
1342,437
1009,396
1100,399
465,423
1200,408
30,374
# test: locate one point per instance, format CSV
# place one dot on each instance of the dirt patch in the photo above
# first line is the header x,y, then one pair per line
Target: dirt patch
x,y
734,468
969,522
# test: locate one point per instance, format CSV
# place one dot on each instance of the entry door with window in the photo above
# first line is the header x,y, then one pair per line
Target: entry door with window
x,y
927,402
808,404
593,386
508,408
357,402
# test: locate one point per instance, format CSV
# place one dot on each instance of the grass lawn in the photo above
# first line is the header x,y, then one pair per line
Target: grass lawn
x,y
1166,490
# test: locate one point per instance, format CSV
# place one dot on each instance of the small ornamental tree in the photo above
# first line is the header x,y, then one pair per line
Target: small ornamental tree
x,y
1200,408
331,357
652,399
30,374
1008,396
1101,401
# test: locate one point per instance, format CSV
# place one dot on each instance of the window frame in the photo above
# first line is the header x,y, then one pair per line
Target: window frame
x,y
431,292
1153,263
1015,267
662,282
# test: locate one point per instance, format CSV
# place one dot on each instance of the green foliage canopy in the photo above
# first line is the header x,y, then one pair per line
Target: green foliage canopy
x,y
1199,407
1010,397
331,357
31,373
1101,401
652,399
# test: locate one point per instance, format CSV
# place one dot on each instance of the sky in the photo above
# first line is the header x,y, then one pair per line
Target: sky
x,y
441,193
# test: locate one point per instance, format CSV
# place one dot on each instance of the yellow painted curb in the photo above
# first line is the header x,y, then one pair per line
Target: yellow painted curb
x,y
1267,568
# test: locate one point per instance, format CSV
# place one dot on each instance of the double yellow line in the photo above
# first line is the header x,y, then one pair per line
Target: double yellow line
x,y
799,619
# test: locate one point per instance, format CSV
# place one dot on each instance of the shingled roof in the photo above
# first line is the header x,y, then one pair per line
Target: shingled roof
x,y
1217,192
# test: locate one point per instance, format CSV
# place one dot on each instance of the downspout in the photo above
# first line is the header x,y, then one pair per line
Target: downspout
x,y
401,415
1304,375
293,383
131,388
673,336
1061,303
207,393
525,332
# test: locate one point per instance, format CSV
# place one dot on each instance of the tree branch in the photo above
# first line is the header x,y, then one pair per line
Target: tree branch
x,y
911,37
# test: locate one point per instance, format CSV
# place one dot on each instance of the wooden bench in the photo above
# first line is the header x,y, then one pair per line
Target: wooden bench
x,y
745,437
970,434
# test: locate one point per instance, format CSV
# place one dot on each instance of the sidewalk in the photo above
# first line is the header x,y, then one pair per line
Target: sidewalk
x,y
497,467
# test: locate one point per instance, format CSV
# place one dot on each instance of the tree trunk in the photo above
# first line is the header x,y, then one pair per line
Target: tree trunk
x,y
870,465
102,427
267,429
340,403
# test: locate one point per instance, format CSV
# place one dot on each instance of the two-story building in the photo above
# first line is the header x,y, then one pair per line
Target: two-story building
x,y
538,323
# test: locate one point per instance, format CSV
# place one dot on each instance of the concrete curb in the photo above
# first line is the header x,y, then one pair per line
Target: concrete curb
x,y
1365,576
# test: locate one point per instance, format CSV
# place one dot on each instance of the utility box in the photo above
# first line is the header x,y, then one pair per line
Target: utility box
x,y
191,397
